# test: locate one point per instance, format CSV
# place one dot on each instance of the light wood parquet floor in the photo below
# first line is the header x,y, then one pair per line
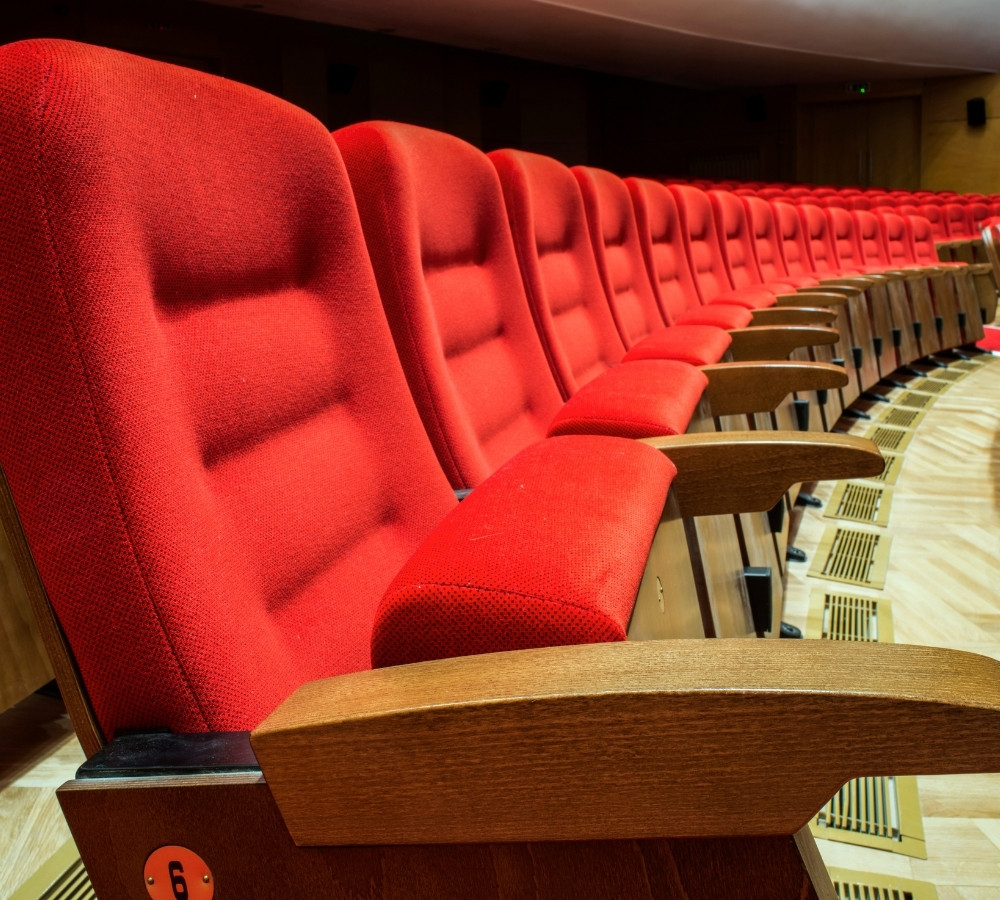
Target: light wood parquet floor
x,y
38,752
944,584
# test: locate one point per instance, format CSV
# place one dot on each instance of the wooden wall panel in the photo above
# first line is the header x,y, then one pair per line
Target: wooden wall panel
x,y
956,156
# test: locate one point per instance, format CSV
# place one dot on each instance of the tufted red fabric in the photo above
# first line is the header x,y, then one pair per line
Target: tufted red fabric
x,y
518,582
819,239
924,244
871,240
767,244
666,261
958,221
704,253
844,234
897,240
549,227
793,242
935,215
434,220
630,401
197,382
737,245
618,255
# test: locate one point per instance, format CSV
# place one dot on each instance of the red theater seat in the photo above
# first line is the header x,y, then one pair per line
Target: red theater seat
x,y
216,471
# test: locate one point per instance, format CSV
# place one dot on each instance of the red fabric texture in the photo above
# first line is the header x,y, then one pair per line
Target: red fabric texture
x,y
197,382
816,228
793,243
737,246
958,221
667,264
935,215
704,253
924,243
844,234
767,245
549,227
991,339
516,582
436,227
871,240
697,345
618,254
897,243
645,398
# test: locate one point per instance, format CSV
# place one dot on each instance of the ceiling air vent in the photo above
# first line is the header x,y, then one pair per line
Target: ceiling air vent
x,y
850,885
859,502
914,401
901,417
882,812
852,556
887,438
835,616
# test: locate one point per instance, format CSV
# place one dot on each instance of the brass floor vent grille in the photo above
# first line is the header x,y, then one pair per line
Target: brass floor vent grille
x,y
62,877
948,374
914,401
852,556
887,438
882,812
970,365
893,463
859,502
835,616
849,885
931,386
901,417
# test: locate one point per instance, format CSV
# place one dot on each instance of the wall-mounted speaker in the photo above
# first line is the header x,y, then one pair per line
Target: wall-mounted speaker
x,y
975,112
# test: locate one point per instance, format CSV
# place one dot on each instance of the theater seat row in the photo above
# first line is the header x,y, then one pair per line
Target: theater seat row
x,y
227,508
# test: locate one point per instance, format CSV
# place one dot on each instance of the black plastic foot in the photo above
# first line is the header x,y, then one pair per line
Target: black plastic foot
x,y
916,373
805,499
931,361
794,554
875,398
853,413
790,631
758,582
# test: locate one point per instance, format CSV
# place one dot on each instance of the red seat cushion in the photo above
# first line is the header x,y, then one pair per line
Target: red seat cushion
x,y
722,315
645,398
697,345
499,573
748,297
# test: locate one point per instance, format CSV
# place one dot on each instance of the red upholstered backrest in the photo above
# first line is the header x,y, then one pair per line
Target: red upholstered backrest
x,y
844,235
701,241
978,212
870,238
436,227
618,254
859,202
549,227
794,244
935,215
197,379
897,241
735,239
958,221
766,240
923,240
663,247
816,228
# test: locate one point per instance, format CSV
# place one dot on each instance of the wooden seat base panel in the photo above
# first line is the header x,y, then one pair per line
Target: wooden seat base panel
x,y
232,823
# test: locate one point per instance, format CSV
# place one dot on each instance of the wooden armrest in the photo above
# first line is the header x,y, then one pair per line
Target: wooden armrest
x,y
812,298
980,268
740,388
855,282
749,471
793,315
627,740
776,343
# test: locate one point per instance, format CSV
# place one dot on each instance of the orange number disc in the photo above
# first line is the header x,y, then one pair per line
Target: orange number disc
x,y
176,873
